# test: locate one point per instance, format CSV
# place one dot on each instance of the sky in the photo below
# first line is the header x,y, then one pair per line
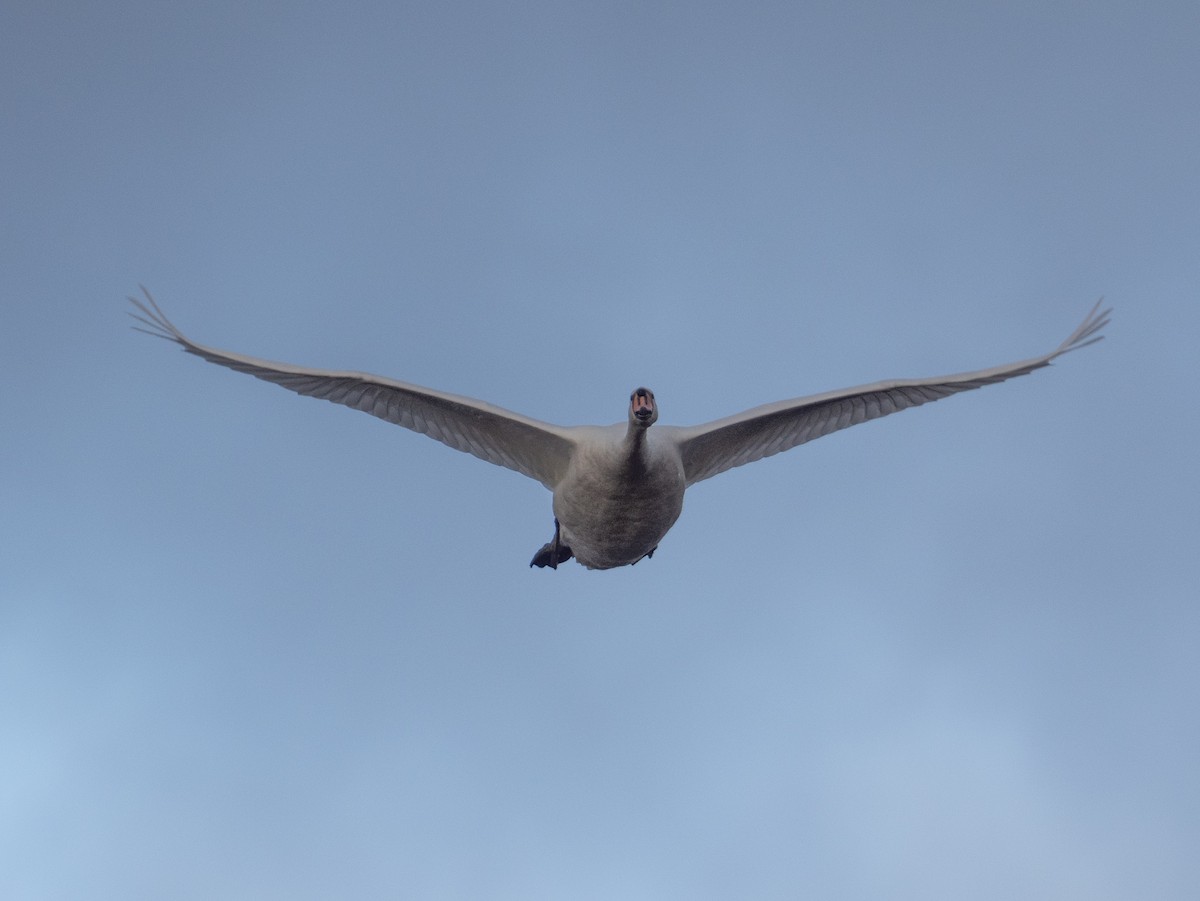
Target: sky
x,y
254,645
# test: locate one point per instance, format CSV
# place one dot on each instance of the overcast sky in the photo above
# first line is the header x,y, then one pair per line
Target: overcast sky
x,y
253,645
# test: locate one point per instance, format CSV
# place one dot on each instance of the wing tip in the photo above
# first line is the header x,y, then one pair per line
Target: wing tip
x,y
153,320
1087,331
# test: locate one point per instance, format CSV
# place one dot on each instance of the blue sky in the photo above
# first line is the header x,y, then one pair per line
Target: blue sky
x,y
257,646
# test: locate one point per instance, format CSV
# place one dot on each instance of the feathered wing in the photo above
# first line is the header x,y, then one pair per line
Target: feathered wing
x,y
536,449
745,437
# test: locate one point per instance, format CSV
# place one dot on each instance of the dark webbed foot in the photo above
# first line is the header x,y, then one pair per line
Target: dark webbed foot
x,y
552,553
548,557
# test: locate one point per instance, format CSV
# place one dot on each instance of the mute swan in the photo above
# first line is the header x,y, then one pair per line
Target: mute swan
x,y
617,489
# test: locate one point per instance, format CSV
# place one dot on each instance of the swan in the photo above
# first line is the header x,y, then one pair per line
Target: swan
x,y
618,489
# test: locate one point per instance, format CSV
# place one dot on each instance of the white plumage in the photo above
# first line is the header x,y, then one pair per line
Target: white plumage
x,y
617,489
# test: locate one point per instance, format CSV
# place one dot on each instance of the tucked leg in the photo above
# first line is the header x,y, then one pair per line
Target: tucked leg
x,y
648,555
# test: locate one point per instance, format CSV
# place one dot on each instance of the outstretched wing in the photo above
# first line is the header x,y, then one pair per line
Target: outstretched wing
x,y
745,437
536,449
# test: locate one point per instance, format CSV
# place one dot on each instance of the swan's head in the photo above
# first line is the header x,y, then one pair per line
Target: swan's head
x,y
643,411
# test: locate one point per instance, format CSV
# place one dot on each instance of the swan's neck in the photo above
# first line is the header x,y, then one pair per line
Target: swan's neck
x,y
636,451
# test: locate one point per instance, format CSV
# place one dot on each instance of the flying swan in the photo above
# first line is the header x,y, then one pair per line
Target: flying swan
x,y
618,489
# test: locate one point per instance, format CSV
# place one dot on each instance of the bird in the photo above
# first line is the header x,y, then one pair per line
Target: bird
x,y
617,489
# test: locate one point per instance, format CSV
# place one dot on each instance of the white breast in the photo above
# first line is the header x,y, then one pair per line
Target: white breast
x,y
615,506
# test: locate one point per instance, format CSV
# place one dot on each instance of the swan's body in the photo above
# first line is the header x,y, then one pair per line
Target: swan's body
x,y
617,489
622,492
